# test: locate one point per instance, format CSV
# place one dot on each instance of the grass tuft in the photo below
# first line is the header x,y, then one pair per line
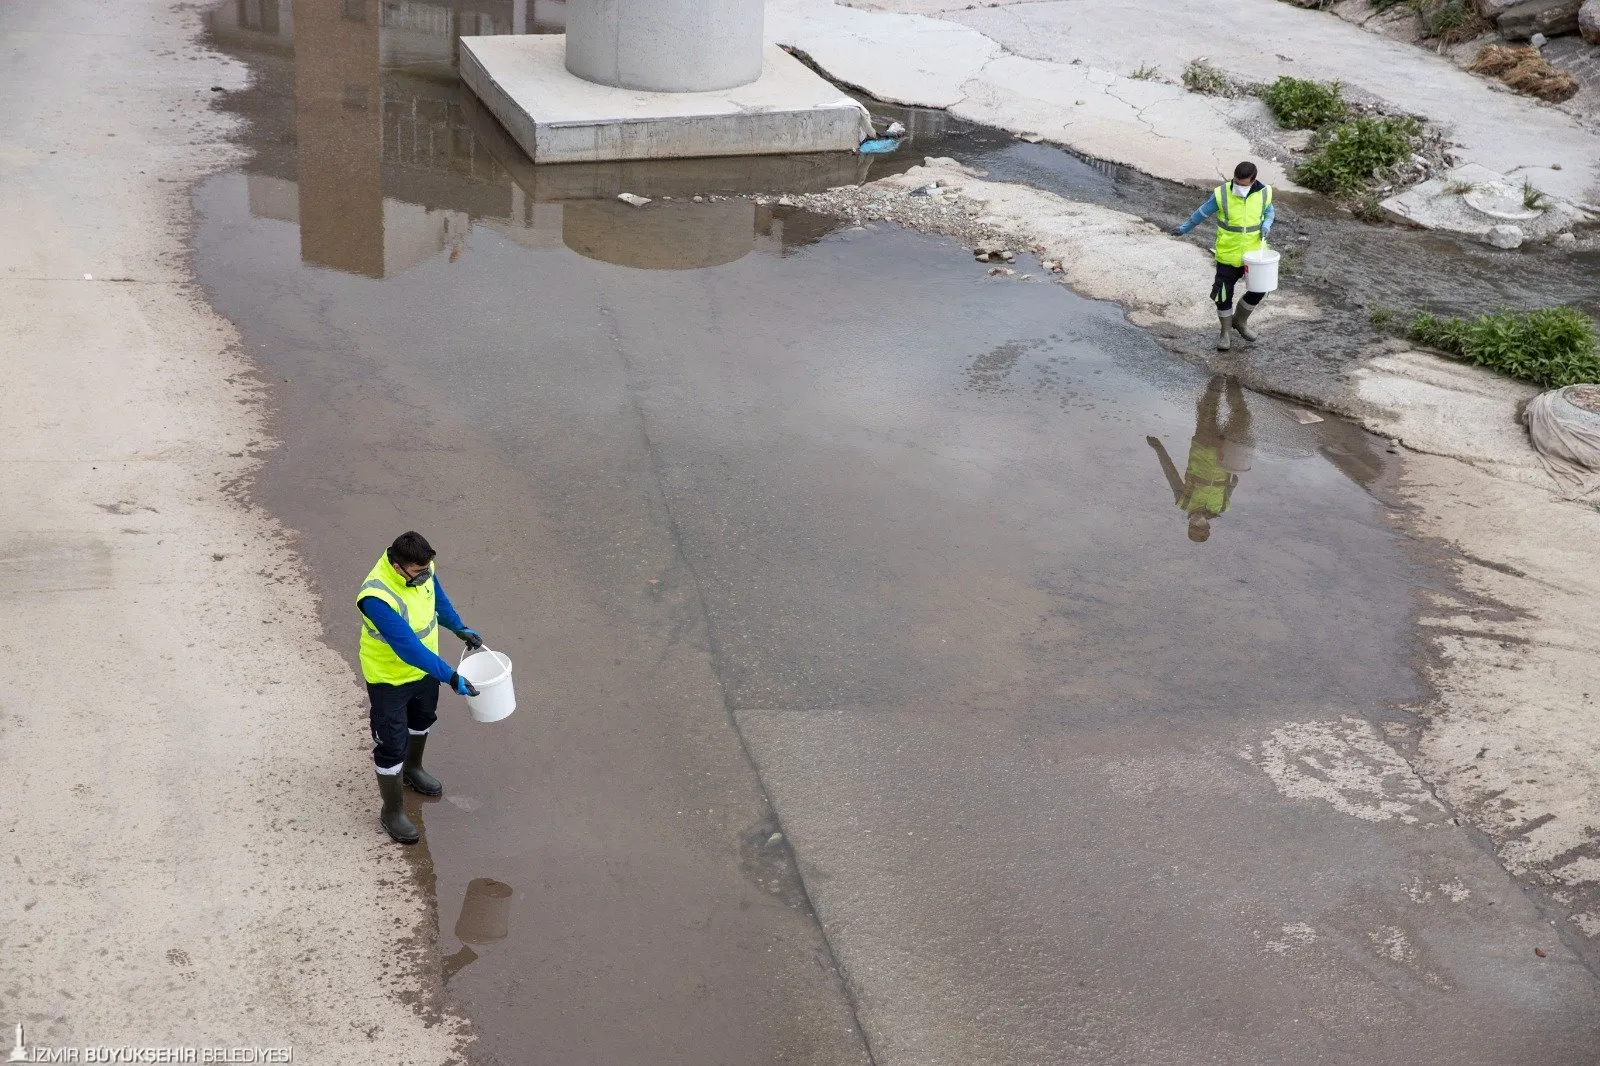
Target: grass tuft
x,y
1299,104
1525,70
1550,347
1449,21
1347,155
1201,77
1146,73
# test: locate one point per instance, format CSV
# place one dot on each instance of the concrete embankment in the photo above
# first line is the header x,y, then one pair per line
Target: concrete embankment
x,y
168,708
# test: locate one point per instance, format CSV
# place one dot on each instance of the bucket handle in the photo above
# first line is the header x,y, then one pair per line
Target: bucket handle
x,y
505,672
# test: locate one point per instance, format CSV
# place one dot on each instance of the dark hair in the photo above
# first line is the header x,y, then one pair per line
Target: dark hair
x,y
1245,171
411,549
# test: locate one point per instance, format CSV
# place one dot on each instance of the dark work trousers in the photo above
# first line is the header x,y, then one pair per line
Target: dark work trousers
x,y
397,712
1222,288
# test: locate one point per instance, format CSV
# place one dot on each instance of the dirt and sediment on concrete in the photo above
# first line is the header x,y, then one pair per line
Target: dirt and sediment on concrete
x,y
189,851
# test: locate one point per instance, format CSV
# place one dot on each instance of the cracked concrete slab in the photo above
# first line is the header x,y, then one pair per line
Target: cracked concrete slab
x,y
903,59
1263,39
1152,126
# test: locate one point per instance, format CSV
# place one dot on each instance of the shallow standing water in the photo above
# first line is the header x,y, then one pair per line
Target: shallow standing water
x,y
736,488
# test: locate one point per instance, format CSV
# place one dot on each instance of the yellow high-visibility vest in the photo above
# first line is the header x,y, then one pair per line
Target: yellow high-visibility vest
x,y
1239,221
1205,482
379,663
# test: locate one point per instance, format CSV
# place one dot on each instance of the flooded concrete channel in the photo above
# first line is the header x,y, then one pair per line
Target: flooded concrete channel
x,y
819,551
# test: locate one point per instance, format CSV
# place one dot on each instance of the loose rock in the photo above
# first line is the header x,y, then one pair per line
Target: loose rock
x,y
1589,21
1506,237
636,201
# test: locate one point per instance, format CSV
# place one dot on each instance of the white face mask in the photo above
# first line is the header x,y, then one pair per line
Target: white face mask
x,y
1241,191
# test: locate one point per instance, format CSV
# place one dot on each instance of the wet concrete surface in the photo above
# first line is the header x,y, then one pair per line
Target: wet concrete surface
x,y
763,508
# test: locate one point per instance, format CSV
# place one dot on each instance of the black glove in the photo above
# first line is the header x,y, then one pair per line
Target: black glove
x,y
462,686
470,638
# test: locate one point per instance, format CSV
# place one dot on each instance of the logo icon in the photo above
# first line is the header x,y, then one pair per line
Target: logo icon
x,y
18,1052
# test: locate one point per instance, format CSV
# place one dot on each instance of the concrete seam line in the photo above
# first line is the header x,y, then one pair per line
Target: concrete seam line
x,y
714,647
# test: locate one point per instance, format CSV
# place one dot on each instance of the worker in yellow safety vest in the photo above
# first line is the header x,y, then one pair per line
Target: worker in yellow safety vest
x,y
402,606
1244,213
1217,453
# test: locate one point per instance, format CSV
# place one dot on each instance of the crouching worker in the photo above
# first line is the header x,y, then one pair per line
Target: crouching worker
x,y
402,606
1244,213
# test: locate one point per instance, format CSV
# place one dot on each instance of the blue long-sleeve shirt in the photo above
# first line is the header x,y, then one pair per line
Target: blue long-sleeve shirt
x,y
1209,208
397,632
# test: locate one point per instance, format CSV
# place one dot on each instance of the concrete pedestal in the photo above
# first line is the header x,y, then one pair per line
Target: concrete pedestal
x,y
666,46
558,117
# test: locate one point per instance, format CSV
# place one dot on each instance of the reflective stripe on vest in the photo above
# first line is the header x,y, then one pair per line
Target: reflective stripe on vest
x,y
1239,222
380,664
400,608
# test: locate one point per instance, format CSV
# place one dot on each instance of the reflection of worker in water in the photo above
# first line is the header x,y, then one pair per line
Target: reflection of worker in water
x,y
1244,212
402,606
1217,455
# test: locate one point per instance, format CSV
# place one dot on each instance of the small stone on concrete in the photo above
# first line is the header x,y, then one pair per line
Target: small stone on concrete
x,y
1506,237
636,201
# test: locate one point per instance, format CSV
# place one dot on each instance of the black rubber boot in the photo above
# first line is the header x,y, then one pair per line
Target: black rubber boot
x,y
394,819
1224,330
415,775
1241,319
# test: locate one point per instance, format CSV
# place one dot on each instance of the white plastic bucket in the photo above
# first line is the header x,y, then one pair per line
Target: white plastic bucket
x,y
1261,274
490,673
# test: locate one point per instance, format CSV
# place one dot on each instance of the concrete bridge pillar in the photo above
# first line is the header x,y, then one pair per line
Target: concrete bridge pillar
x,y
665,46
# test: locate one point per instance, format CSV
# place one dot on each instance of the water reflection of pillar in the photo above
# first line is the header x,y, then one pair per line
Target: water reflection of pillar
x,y
485,912
339,129
661,236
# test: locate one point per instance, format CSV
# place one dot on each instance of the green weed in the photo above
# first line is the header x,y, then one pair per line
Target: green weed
x,y
1532,198
1381,317
1299,104
1368,207
1201,77
1449,21
1551,347
1146,73
1347,155
1460,188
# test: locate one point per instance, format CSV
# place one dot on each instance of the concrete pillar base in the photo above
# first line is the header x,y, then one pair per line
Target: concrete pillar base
x,y
558,117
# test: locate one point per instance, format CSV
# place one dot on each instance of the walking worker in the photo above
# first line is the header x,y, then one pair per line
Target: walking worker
x,y
402,606
1244,213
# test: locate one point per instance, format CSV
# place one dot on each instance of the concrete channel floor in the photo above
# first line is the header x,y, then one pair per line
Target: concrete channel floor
x,y
1065,786
848,514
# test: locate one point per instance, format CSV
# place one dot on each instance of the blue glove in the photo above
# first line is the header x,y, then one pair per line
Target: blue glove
x,y
1181,230
470,638
462,686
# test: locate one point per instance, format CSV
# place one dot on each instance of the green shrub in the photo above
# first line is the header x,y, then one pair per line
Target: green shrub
x,y
1201,77
1347,155
1551,347
1299,104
